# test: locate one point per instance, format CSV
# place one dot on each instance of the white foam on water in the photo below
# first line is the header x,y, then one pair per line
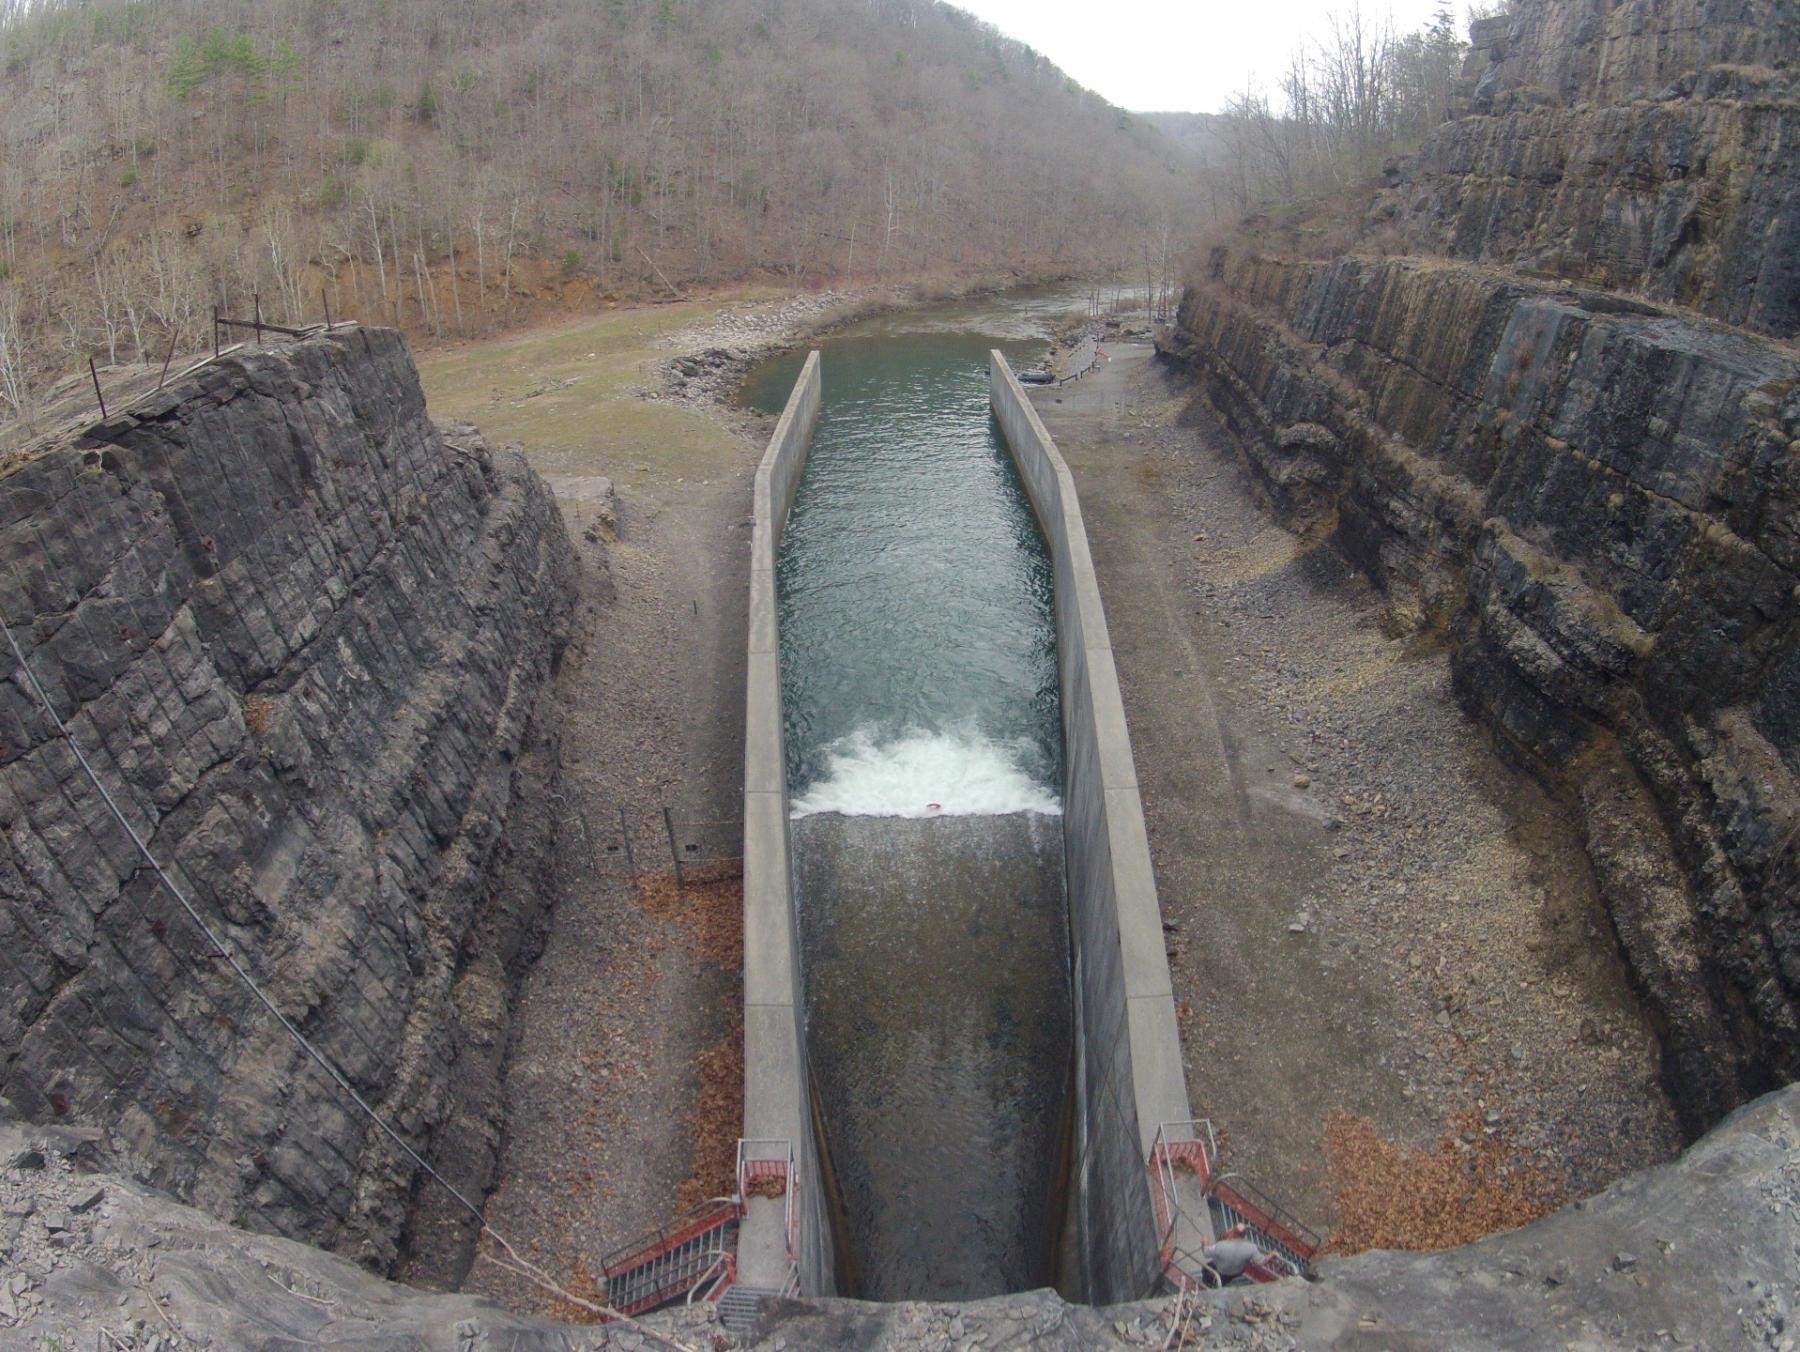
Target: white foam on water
x,y
924,774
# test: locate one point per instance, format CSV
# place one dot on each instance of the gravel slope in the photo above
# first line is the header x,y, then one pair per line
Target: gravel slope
x,y
1368,913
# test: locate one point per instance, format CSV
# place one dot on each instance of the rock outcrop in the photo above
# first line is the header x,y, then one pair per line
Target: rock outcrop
x,y
1596,497
1699,1253
1648,146
306,641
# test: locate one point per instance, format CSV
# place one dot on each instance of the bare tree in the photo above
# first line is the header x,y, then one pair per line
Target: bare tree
x,y
1350,100
722,137
15,379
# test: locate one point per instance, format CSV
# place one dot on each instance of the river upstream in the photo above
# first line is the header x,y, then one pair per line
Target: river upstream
x,y
919,683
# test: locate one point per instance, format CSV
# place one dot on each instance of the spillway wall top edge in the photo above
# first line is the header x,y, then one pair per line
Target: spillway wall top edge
x,y
1127,1026
777,1104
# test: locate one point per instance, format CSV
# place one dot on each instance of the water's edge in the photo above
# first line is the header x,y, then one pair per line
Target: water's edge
x,y
923,751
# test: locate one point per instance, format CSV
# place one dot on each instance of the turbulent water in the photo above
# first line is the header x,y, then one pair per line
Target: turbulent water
x,y
923,774
918,645
919,686
938,1034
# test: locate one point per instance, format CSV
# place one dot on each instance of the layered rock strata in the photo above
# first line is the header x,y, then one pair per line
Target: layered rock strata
x,y
1594,497
305,640
1650,146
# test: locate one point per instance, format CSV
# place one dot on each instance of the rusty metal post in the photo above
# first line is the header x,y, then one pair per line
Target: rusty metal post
x,y
256,300
630,854
102,398
674,853
168,357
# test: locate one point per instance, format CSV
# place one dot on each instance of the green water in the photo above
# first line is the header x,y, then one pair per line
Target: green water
x,y
917,634
919,682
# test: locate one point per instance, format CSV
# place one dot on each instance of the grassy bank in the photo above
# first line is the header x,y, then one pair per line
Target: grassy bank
x,y
571,395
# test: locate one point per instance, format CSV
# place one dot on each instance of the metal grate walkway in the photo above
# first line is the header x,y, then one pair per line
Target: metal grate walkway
x,y
741,1307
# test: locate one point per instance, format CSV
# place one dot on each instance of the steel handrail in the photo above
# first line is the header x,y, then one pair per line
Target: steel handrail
x,y
721,1265
790,1180
712,1214
793,1210
1195,1131
1290,1242
677,1280
1268,1215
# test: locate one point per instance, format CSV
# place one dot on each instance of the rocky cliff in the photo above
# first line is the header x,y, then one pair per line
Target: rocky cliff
x,y
1594,495
305,640
1648,146
1699,1253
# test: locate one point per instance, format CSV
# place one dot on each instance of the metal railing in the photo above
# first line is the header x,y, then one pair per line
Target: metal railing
x,y
716,1279
697,1220
1230,1200
752,1167
1239,1202
1189,1145
695,1257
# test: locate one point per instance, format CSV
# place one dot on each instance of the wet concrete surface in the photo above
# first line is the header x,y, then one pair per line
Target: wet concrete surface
x,y
935,962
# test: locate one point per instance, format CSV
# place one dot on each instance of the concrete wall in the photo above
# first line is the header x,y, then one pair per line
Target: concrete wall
x,y
1129,1078
777,1104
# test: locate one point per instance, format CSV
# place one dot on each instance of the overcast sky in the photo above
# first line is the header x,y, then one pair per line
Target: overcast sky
x,y
1179,55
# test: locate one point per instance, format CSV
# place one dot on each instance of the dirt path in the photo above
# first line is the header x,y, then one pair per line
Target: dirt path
x,y
601,1090
628,1029
1367,913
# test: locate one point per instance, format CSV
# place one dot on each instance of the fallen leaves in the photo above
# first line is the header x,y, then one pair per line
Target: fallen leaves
x,y
1465,1185
765,1185
716,1119
708,908
583,1286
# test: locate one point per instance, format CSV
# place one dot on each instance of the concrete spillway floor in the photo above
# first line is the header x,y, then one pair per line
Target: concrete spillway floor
x,y
935,961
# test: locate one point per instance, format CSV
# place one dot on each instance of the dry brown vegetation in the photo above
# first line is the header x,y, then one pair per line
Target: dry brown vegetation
x,y
453,166
707,907
1465,1185
716,1119
588,1292
258,709
708,911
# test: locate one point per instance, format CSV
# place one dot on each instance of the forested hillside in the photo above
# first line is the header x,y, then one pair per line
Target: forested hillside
x,y
453,165
1203,134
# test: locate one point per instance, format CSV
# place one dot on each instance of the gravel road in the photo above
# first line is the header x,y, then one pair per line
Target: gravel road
x,y
1366,911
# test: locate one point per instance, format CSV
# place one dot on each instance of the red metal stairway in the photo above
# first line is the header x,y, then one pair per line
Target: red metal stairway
x,y
675,1260
696,1257
1195,1202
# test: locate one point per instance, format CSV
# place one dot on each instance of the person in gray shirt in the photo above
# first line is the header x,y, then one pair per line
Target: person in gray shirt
x,y
1232,1256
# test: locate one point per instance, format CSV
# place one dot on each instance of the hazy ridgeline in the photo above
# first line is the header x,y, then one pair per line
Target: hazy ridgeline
x,y
451,164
